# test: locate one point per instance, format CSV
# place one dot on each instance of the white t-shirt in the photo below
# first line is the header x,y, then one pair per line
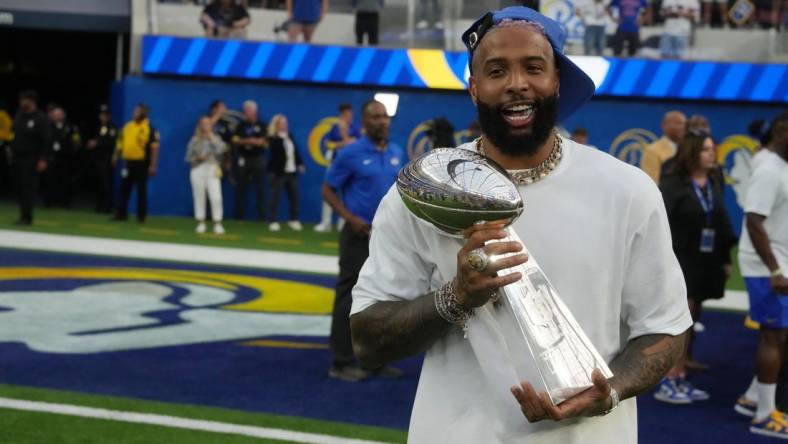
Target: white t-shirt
x,y
767,195
593,13
598,228
680,26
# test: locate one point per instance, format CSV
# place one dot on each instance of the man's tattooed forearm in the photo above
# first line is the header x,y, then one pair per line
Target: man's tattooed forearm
x,y
643,362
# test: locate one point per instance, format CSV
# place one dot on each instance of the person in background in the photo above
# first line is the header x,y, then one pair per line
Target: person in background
x,y
367,20
224,18
204,155
580,135
630,15
430,13
679,15
702,240
763,261
66,141
138,146
342,133
100,148
284,166
217,112
674,125
594,16
6,136
32,141
250,145
722,5
361,174
304,16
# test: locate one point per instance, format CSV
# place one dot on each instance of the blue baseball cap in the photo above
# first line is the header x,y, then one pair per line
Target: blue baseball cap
x,y
575,88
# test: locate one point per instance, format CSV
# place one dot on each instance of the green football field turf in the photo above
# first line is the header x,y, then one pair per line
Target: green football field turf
x,y
23,427
180,230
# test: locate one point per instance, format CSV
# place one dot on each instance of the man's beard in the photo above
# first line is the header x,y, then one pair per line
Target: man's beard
x,y
498,131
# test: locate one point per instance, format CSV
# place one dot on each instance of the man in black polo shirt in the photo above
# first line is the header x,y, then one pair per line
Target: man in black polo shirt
x,y
250,145
65,143
32,138
100,148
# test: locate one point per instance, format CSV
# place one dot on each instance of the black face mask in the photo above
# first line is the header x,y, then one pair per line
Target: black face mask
x,y
498,131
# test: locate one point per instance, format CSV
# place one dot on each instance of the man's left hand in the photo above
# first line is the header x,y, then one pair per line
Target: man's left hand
x,y
152,170
591,402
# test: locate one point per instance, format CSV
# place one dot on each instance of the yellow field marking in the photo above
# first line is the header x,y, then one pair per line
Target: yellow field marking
x,y
99,227
159,231
329,244
220,236
280,241
286,344
48,223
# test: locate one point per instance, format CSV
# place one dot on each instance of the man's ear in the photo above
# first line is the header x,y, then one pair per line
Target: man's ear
x,y
472,89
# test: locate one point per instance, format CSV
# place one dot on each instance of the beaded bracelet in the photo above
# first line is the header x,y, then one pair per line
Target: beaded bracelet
x,y
449,307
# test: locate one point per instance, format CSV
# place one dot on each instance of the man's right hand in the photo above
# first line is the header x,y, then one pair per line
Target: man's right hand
x,y
474,288
359,225
779,284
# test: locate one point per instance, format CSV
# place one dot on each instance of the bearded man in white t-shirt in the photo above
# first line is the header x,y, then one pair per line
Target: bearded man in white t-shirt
x,y
597,226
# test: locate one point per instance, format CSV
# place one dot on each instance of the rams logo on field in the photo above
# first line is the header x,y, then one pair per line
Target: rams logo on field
x,y
629,145
101,309
318,141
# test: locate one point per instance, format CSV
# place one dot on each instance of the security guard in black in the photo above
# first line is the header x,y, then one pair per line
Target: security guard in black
x,y
29,149
250,144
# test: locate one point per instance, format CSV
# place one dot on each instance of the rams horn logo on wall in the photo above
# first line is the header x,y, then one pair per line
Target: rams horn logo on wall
x,y
419,141
318,143
735,155
629,145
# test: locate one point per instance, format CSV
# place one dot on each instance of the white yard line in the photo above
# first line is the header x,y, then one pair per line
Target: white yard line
x,y
735,300
177,422
310,263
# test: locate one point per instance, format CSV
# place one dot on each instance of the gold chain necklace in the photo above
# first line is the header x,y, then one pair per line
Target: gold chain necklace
x,y
537,173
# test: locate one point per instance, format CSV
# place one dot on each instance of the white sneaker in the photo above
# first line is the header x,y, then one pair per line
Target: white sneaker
x,y
218,228
321,228
274,226
439,26
295,225
200,228
698,327
422,24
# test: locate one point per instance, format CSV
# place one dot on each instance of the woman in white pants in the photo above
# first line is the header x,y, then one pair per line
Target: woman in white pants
x,y
204,154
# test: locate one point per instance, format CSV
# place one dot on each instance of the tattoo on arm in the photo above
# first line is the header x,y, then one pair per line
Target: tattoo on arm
x,y
388,331
643,362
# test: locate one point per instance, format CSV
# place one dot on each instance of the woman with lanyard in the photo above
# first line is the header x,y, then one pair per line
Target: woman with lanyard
x,y
702,240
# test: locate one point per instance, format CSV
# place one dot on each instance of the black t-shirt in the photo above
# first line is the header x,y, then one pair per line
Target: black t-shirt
x,y
223,130
106,138
224,18
249,129
32,134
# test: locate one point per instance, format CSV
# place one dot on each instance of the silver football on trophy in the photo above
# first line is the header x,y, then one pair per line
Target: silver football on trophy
x,y
454,188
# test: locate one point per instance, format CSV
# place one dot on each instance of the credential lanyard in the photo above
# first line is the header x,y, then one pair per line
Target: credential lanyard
x,y
706,202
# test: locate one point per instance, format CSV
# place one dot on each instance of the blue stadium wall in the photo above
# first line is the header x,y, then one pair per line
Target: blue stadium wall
x,y
616,125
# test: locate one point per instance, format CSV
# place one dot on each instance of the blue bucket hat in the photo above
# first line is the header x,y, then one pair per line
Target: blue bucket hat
x,y
575,88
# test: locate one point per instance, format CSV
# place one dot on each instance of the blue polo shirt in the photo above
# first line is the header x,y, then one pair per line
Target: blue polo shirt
x,y
335,136
362,175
